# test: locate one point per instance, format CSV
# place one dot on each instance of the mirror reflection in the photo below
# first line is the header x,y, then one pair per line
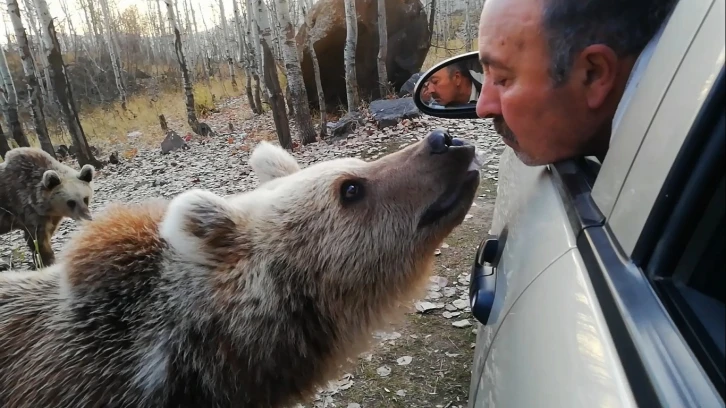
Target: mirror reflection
x,y
453,85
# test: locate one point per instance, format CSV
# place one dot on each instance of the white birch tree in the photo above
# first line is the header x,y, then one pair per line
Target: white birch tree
x,y
9,102
298,93
35,96
225,33
351,41
114,52
272,83
318,82
62,87
382,48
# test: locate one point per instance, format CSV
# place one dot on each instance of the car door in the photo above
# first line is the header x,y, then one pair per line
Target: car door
x,y
553,337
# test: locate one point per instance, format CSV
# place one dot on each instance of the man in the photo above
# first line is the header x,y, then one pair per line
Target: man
x,y
555,70
454,85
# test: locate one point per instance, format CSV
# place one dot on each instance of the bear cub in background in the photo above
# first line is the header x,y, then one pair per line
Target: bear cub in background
x,y
36,193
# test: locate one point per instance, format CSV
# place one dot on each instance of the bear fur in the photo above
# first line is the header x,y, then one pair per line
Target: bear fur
x,y
37,192
252,300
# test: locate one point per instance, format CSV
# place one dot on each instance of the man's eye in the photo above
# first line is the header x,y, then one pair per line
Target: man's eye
x,y
500,82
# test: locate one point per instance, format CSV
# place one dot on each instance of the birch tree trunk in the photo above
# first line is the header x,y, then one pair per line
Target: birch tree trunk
x,y
35,95
298,93
114,53
382,49
178,47
318,82
9,102
272,83
432,19
239,29
225,33
351,41
200,54
62,87
254,46
467,26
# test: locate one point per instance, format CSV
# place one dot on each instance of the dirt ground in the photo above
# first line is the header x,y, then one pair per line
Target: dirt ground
x,y
426,360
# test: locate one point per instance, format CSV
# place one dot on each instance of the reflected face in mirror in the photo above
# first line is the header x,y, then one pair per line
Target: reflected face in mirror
x,y
452,85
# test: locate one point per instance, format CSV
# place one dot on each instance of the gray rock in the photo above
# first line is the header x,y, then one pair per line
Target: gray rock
x,y
408,86
388,112
172,142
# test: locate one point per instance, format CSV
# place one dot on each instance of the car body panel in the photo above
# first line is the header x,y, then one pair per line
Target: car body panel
x,y
553,348
627,138
518,223
694,79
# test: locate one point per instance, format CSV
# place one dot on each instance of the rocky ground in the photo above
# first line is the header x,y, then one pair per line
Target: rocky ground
x,y
426,361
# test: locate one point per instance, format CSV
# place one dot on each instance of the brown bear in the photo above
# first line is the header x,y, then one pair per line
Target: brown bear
x,y
37,192
252,300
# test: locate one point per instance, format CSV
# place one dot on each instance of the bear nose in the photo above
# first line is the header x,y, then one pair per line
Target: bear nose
x,y
439,141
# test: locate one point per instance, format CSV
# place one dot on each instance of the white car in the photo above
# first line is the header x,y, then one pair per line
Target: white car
x,y
604,284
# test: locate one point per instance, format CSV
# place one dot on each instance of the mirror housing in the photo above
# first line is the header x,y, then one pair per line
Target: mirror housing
x,y
468,66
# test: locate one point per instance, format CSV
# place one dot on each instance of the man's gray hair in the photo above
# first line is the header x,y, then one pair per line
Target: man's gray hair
x,y
626,26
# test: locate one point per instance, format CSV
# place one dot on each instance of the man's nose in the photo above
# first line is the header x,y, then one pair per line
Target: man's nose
x,y
439,141
488,105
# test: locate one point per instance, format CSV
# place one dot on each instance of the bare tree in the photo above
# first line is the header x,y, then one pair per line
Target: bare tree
x,y
178,48
254,46
272,83
351,40
34,93
62,87
225,40
432,19
9,102
298,94
382,48
239,30
113,51
318,82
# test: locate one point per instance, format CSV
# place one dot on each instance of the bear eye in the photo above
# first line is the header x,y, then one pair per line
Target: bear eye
x,y
351,191
71,204
85,200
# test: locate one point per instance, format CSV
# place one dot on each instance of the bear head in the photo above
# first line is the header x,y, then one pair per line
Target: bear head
x,y
355,232
69,192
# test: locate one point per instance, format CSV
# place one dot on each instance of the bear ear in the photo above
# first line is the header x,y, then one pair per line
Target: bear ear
x,y
271,161
199,225
51,179
87,173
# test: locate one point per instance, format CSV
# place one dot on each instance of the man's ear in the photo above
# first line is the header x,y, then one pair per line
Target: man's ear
x,y
598,67
271,161
51,179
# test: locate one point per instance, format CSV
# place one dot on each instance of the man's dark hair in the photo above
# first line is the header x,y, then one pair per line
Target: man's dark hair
x,y
626,26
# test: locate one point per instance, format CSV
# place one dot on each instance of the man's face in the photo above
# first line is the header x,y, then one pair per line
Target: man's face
x,y
447,87
541,122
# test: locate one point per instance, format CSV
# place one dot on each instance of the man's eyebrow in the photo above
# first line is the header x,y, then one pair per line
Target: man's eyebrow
x,y
487,60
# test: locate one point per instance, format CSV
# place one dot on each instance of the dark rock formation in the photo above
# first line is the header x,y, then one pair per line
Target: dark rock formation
x,y
408,44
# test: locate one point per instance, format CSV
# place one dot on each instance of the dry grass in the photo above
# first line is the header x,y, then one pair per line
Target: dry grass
x,y
111,124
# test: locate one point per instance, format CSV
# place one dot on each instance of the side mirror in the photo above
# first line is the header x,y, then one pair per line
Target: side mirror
x,y
436,94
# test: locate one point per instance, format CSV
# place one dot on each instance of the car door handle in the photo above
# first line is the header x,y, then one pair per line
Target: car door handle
x,y
483,280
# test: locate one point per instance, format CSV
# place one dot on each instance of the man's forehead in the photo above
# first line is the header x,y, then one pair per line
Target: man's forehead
x,y
505,27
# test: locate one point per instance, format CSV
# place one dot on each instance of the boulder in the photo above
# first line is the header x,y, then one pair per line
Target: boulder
x,y
388,112
408,44
408,86
172,142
